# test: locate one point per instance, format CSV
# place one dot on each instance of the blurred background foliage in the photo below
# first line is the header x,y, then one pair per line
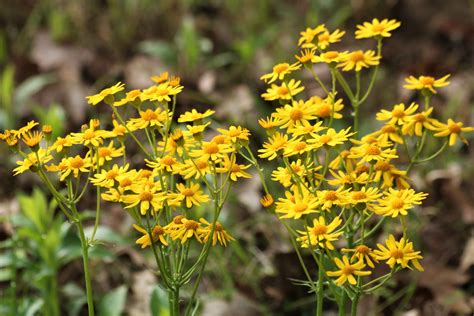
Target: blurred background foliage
x,y
55,52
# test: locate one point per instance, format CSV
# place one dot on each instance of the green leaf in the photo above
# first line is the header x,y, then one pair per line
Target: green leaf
x,y
30,86
113,303
159,302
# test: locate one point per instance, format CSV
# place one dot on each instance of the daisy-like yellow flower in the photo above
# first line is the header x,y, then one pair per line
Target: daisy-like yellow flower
x,y
452,129
398,115
331,138
161,93
75,165
274,146
235,133
285,176
105,94
328,198
195,168
306,56
387,172
325,108
296,146
183,229
90,136
320,234
23,130
359,59
107,153
235,171
296,204
130,97
162,77
191,195
342,179
371,153
267,200
362,253
308,36
108,178
279,72
32,160
399,253
331,57
347,271
212,151
426,83
118,130
194,115
285,91
158,235
148,118
326,38
306,129
32,139
298,113
377,29
147,194
398,202
415,123
167,163
268,123
61,143
219,235
388,133
364,195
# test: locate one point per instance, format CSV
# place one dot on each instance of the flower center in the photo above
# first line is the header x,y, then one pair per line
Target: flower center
x,y
427,81
296,114
420,118
234,133
146,196
201,164
148,115
104,152
282,90
161,92
357,56
300,207
359,195
125,182
168,161
362,249
296,168
191,225
382,166
158,231
325,139
111,174
219,227
397,203
319,230
278,69
210,148
348,270
235,168
219,139
88,135
187,192
378,28
454,128
76,162
388,129
323,111
398,113
178,219
396,253
299,146
323,37
373,150
330,196
331,55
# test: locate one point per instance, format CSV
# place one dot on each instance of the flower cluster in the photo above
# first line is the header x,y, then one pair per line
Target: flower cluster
x,y
341,186
183,174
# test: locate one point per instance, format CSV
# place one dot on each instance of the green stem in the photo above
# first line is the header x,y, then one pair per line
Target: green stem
x,y
85,260
355,302
319,310
342,305
173,299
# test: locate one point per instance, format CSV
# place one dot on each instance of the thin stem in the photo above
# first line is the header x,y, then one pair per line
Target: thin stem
x,y
319,310
318,80
85,260
355,302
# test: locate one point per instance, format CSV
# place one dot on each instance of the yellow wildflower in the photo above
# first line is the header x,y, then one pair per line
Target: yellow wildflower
x,y
299,112
399,253
285,91
274,146
229,165
377,29
398,115
194,115
279,72
347,271
183,229
452,129
320,234
219,235
158,234
296,204
359,59
191,195
426,83
108,92
32,160
398,202
148,195
362,253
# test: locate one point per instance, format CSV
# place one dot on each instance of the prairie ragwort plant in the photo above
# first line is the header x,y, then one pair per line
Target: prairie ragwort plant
x,y
342,187
174,191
